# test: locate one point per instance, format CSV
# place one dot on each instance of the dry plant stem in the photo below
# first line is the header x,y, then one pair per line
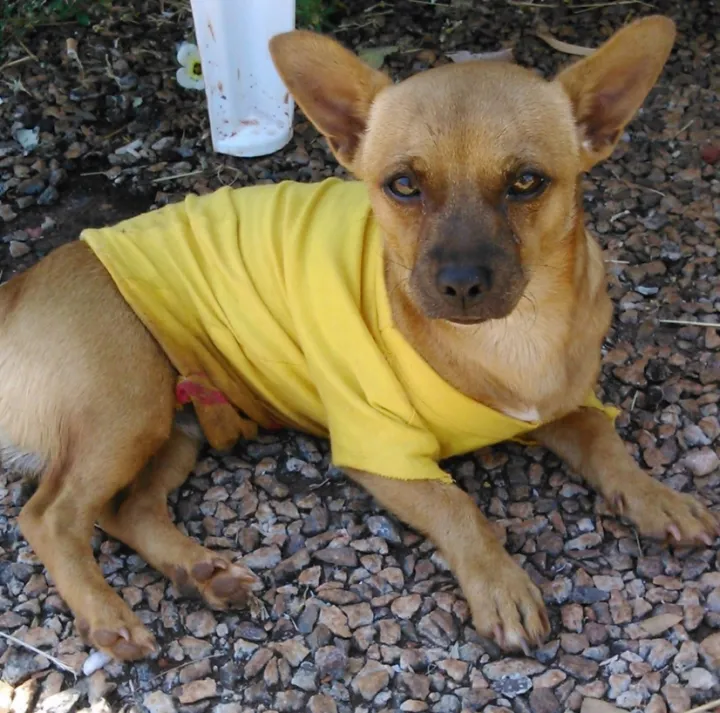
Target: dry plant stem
x,y
21,643
690,323
712,705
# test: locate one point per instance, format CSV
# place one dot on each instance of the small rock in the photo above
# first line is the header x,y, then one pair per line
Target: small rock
x,y
159,702
543,700
661,653
632,699
701,462
337,556
257,663
21,664
250,631
578,666
62,702
197,691
331,661
359,615
49,196
201,623
293,651
506,667
447,704
322,704
701,679
438,627
31,187
677,697
656,625
381,526
687,658
547,652
595,705
335,620
163,143
512,685
263,558
584,542
7,214
656,705
316,521
710,651
572,617
289,701
620,609
405,607
608,583
549,679
371,679
306,678
58,177
18,249
619,683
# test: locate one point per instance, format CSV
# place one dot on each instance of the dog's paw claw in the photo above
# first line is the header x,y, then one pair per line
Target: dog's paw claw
x,y
125,643
221,583
662,513
508,608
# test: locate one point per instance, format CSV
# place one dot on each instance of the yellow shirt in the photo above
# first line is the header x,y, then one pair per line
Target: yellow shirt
x,y
273,297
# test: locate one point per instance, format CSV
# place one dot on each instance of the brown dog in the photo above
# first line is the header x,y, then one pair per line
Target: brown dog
x,y
473,173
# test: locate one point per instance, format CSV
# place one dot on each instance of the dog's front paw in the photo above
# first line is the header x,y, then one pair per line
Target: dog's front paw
x,y
219,582
506,606
664,514
118,633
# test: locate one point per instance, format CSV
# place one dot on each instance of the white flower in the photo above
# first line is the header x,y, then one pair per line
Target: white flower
x,y
190,74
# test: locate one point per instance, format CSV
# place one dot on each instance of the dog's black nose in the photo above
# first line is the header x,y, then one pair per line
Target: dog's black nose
x,y
463,284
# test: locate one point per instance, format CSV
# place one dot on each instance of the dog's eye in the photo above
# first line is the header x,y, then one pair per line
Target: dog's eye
x,y
527,185
403,187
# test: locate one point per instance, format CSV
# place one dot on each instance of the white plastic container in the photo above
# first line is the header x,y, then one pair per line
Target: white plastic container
x,y
250,109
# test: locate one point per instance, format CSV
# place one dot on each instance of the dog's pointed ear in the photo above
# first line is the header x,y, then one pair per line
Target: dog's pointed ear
x,y
608,87
331,85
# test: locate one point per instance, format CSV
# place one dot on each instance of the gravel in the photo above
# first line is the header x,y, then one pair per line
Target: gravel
x,y
362,614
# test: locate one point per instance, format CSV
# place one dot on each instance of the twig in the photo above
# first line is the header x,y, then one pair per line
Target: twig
x,y
619,262
595,5
13,62
522,3
183,665
634,399
706,707
690,323
619,215
27,51
115,133
637,186
679,131
57,662
162,179
637,537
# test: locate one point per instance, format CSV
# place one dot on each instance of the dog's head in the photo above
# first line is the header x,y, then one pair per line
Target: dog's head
x,y
473,168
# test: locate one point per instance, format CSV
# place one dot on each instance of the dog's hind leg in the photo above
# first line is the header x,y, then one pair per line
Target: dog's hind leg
x,y
139,517
87,395
58,525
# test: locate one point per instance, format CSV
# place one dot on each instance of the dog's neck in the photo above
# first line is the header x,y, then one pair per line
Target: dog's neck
x,y
543,359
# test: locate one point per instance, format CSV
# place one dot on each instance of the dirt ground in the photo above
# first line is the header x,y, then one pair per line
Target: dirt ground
x,y
363,615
